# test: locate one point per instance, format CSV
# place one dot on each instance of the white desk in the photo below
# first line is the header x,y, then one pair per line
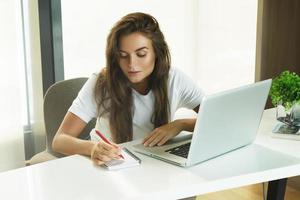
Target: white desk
x,y
75,177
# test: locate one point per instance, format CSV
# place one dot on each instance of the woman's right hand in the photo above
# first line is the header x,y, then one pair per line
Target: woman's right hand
x,y
103,152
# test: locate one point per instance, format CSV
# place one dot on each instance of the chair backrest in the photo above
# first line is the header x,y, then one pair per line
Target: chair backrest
x,y
57,101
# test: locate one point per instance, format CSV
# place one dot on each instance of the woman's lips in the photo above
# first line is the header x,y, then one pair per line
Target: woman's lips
x,y
133,72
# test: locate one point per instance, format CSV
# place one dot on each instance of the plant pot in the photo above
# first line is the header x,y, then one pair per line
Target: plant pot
x,y
290,120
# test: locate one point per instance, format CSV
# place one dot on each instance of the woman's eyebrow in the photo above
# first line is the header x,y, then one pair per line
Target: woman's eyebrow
x,y
135,50
141,48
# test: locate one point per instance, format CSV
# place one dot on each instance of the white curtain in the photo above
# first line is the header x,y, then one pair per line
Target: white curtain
x,y
12,90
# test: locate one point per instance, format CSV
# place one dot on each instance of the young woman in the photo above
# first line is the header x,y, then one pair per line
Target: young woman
x,y
134,97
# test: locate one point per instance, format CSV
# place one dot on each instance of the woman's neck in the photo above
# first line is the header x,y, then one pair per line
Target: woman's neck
x,y
142,87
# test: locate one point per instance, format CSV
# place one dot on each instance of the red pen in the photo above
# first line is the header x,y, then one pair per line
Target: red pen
x,y
105,140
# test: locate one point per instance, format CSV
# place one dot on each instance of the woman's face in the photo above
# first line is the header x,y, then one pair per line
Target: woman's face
x,y
137,59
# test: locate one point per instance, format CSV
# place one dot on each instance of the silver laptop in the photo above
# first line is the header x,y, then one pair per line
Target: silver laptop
x,y
226,121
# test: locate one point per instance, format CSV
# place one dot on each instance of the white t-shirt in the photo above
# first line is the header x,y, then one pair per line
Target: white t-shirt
x,y
182,92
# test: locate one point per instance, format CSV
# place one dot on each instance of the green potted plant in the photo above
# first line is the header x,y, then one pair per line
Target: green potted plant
x,y
285,95
286,89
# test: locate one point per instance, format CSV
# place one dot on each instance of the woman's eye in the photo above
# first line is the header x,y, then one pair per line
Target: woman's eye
x,y
141,54
123,55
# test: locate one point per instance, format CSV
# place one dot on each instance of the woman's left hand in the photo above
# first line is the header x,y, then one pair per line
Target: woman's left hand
x,y
162,134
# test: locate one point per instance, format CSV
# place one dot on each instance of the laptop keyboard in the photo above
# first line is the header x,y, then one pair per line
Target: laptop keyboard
x,y
182,150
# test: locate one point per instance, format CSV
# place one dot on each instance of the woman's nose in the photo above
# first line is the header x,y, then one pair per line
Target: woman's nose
x,y
132,61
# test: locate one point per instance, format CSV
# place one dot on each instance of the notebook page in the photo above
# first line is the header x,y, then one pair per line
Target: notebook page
x,y
128,161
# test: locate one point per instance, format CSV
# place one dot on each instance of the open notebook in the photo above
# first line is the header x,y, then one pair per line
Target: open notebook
x,y
130,160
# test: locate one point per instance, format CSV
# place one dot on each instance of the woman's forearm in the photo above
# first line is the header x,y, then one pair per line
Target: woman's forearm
x,y
187,124
69,145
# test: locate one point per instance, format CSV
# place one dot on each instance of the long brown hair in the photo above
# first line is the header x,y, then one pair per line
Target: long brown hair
x,y
113,93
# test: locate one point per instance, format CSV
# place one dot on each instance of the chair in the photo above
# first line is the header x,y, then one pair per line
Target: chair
x,y
57,101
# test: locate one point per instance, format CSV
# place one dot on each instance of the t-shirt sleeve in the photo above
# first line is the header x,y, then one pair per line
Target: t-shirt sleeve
x,y
189,94
84,106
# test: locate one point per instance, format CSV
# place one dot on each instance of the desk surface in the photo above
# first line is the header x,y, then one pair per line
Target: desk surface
x,y
75,177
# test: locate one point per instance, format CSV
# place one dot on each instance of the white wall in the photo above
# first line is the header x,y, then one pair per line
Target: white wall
x,y
226,43
86,26
212,41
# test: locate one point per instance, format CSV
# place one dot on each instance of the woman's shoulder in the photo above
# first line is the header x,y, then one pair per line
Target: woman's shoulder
x,y
93,81
179,80
176,75
96,76
174,78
